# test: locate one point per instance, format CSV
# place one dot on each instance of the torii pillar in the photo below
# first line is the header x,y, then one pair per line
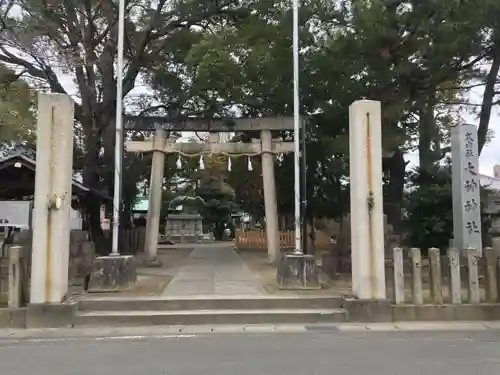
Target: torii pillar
x,y
155,199
270,201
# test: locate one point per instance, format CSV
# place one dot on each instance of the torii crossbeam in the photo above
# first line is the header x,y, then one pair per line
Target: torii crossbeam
x,y
221,125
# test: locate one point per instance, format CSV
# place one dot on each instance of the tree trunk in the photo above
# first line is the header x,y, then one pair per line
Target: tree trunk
x,y
107,169
396,167
92,204
428,134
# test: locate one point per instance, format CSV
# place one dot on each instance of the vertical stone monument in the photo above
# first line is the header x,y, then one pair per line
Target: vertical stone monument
x,y
51,217
466,188
367,219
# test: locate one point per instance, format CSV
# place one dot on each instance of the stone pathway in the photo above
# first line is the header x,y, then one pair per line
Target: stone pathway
x,y
215,269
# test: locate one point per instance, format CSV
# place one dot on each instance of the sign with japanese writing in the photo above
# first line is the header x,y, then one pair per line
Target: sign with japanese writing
x,y
15,214
466,188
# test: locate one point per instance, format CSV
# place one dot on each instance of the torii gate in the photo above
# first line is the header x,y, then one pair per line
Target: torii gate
x,y
159,146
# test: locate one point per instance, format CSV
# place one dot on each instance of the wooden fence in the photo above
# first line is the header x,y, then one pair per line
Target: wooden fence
x,y
454,278
257,240
131,240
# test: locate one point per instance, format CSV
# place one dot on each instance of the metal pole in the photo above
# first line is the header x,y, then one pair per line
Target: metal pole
x,y
303,190
296,123
119,129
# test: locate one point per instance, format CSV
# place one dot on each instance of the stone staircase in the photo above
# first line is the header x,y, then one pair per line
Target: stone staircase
x,y
135,311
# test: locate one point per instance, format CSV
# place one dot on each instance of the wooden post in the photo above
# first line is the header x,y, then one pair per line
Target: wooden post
x,y
473,285
435,273
455,283
399,278
491,255
416,267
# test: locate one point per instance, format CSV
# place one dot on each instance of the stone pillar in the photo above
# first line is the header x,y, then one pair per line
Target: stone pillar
x,y
416,281
455,277
271,208
473,275
15,277
155,199
53,182
491,256
399,277
465,181
367,241
435,276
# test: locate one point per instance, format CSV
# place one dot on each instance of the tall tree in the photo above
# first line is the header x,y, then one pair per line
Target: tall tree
x,y
48,39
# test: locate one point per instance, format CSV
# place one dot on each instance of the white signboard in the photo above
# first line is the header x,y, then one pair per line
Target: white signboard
x,y
466,188
15,214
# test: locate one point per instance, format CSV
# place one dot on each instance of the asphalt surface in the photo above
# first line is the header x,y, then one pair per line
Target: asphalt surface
x,y
313,352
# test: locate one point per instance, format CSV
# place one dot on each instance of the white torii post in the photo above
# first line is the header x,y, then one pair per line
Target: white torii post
x,y
268,148
155,199
367,220
270,202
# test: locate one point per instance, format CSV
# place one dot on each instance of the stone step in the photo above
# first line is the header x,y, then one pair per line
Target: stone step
x,y
209,303
208,317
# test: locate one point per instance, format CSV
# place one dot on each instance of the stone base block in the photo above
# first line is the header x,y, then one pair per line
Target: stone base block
x,y
13,318
113,273
367,310
57,315
465,312
297,271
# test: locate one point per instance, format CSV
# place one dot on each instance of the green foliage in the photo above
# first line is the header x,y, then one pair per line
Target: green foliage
x,y
16,108
248,186
217,195
429,208
429,211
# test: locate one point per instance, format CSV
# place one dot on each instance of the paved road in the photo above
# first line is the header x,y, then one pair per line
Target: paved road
x,y
312,352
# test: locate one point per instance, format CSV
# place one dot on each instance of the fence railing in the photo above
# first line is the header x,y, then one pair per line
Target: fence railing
x,y
453,278
131,240
257,240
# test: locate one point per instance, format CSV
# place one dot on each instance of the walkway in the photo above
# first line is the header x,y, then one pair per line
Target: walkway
x,y
214,269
